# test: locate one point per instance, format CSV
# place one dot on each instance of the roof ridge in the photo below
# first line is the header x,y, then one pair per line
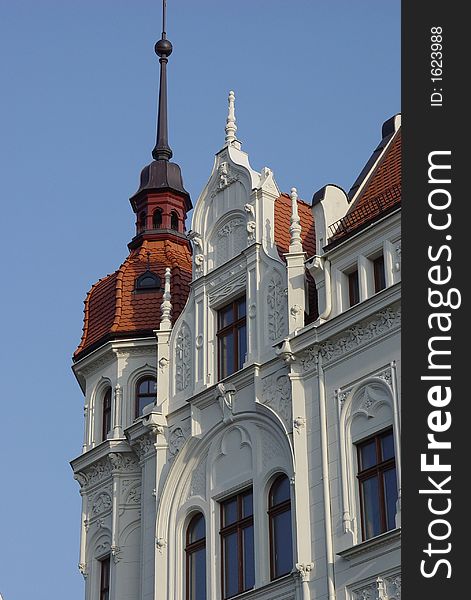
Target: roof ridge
x,y
374,169
119,295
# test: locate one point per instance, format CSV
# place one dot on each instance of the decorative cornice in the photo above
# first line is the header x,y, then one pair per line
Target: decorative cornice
x,y
105,467
356,337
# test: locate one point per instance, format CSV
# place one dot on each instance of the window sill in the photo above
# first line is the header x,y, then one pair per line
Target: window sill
x,y
282,583
378,545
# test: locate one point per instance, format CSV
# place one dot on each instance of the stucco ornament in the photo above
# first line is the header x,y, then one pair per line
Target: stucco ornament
x,y
276,300
225,395
183,358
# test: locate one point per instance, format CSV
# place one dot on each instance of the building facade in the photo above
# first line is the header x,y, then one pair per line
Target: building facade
x,y
242,386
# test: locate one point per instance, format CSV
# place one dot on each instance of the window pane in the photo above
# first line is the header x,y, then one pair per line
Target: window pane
x,y
247,504
390,496
241,308
249,564
226,350
282,551
242,333
196,529
353,288
226,316
230,511
387,446
368,455
280,491
197,575
231,563
371,514
380,277
142,403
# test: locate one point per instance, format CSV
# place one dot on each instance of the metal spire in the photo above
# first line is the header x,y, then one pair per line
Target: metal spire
x,y
163,48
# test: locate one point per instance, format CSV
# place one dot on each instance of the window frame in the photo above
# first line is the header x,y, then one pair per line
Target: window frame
x,y
137,395
377,470
106,411
105,567
238,526
233,328
273,512
191,548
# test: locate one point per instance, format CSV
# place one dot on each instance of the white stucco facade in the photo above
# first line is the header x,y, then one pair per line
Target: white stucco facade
x,y
303,398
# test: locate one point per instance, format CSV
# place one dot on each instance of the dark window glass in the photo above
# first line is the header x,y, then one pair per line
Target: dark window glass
x,y
195,551
249,558
105,578
145,394
174,220
142,221
279,514
106,415
353,288
378,484
379,273
237,541
148,281
157,219
232,338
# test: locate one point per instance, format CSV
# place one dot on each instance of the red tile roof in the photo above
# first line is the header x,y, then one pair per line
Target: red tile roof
x,y
114,309
381,193
283,221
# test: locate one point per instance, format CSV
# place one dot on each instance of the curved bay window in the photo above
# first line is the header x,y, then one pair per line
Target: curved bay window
x,y
195,550
146,389
106,415
279,515
232,337
237,541
378,484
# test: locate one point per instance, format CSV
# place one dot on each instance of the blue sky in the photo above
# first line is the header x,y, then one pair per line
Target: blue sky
x,y
314,81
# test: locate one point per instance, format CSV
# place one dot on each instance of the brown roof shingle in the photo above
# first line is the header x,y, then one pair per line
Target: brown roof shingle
x,y
114,309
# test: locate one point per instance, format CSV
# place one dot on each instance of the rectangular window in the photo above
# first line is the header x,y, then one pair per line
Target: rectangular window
x,y
379,273
237,542
353,288
232,337
105,578
377,482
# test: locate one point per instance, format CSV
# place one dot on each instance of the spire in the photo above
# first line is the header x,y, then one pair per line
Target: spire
x,y
231,126
163,48
295,244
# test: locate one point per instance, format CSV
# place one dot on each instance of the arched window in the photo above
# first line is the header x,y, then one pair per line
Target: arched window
x,y
174,220
157,218
142,221
195,550
279,514
148,281
106,415
145,394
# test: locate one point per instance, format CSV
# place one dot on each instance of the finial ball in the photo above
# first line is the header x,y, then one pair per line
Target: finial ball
x,y
163,48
